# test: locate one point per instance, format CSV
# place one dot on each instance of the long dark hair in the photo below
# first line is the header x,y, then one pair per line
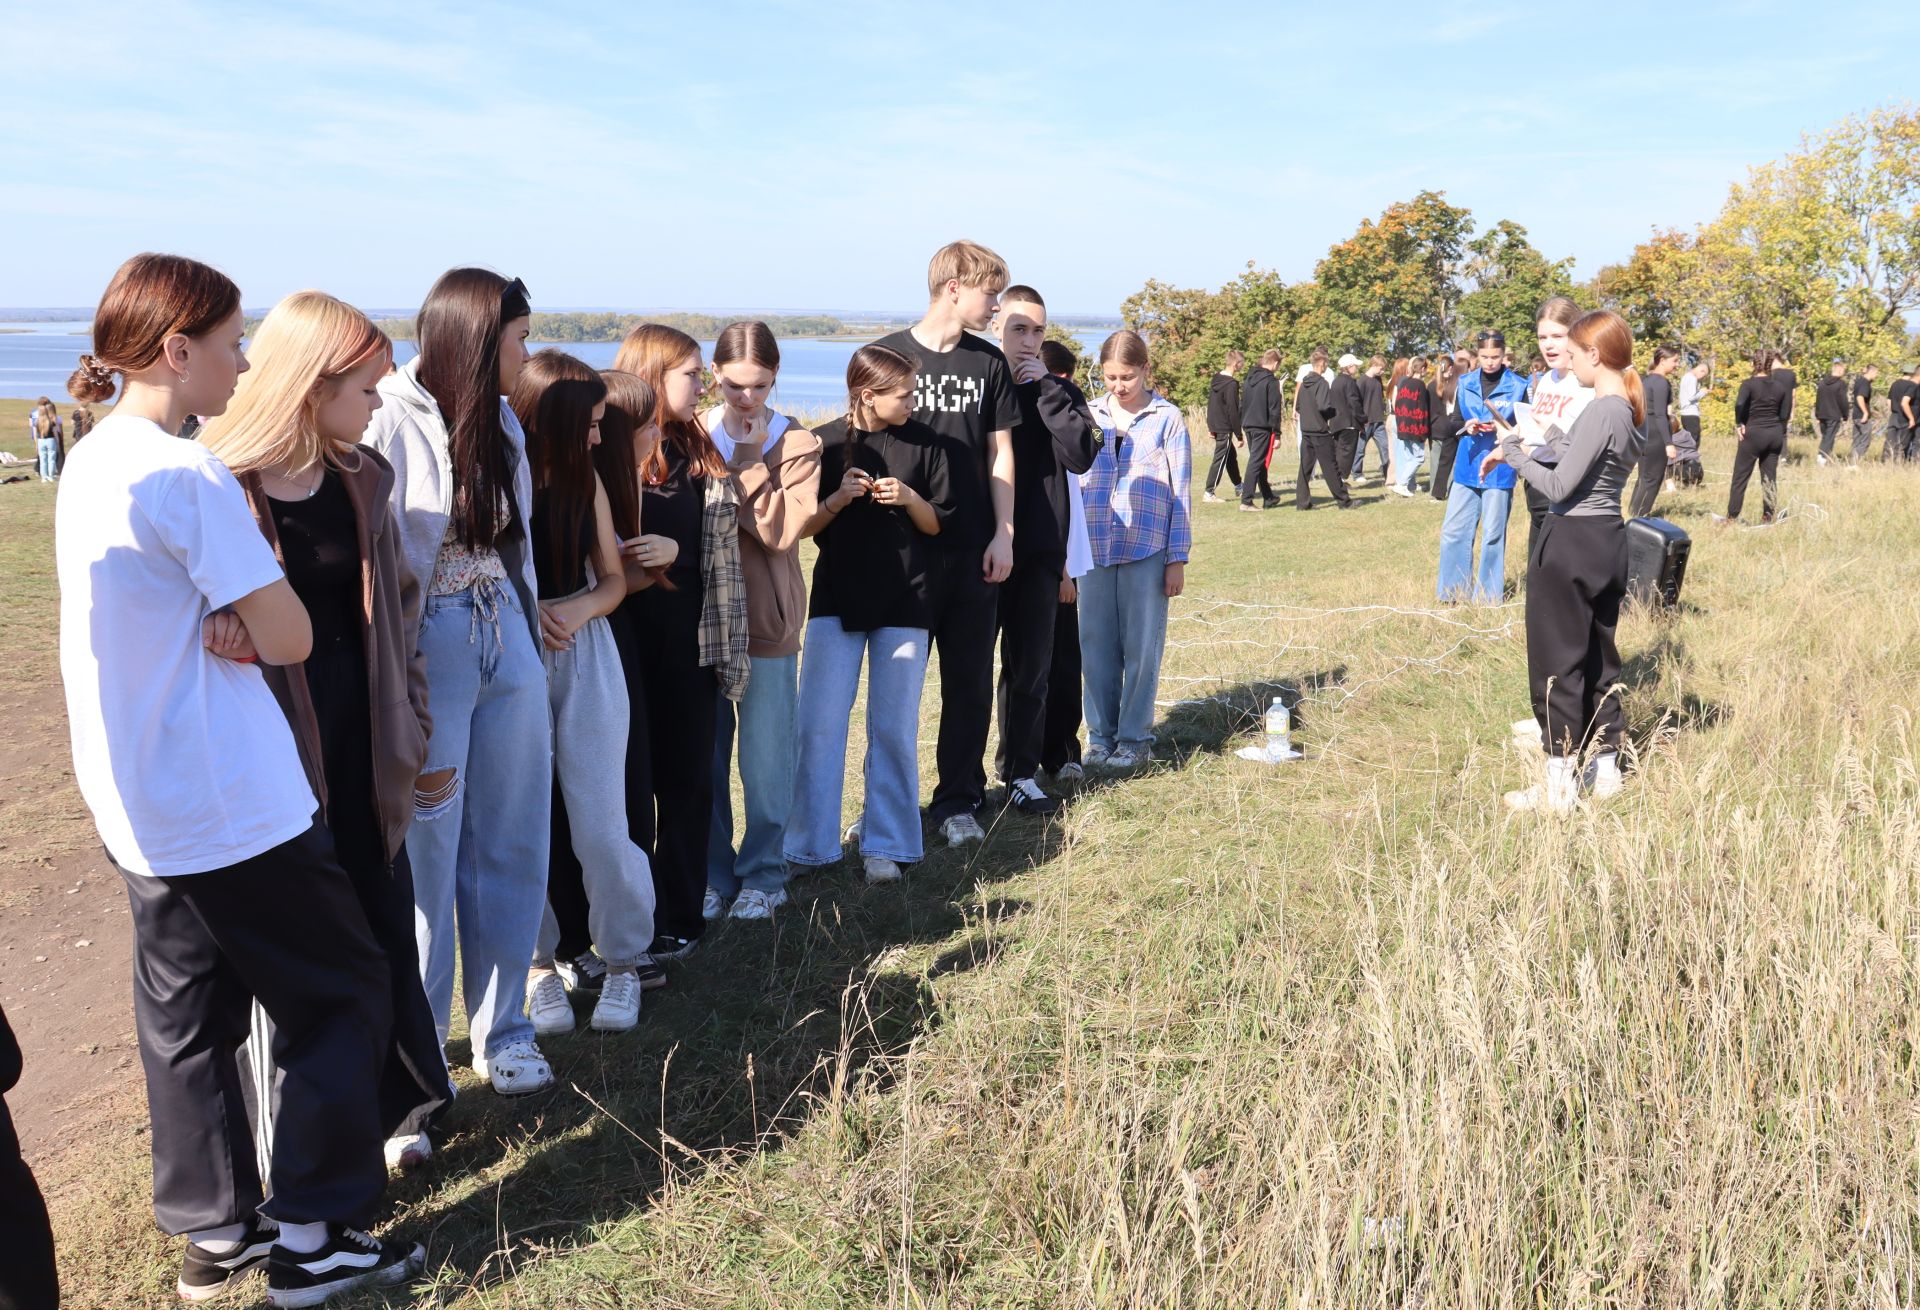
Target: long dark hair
x,y
554,399
459,331
631,406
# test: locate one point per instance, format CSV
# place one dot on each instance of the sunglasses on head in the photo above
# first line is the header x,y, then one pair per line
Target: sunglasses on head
x,y
516,288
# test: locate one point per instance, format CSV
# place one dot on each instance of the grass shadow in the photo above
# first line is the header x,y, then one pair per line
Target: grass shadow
x,y
1205,725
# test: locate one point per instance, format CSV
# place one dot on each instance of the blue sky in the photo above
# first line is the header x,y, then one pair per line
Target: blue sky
x,y
811,155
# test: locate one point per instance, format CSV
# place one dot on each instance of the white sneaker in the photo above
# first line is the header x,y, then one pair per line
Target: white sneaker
x,y
1559,794
1068,773
880,869
1125,759
1399,490
1095,757
1603,779
408,1151
713,905
1210,499
618,1008
751,904
851,836
959,829
516,1068
1358,480
548,1006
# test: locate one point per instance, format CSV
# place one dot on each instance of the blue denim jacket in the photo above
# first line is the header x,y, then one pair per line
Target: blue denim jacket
x,y
1510,393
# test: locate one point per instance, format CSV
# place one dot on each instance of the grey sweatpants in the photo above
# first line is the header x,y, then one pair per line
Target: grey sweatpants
x,y
587,700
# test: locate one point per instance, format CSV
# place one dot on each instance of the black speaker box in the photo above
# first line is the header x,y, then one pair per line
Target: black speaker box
x,y
1656,561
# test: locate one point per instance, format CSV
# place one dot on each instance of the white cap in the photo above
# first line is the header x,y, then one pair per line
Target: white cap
x,y
1349,361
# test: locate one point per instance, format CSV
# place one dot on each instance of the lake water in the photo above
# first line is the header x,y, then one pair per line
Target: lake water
x,y
36,359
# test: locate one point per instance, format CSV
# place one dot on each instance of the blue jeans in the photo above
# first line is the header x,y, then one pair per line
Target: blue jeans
x,y
829,676
484,851
1377,434
48,450
768,759
1408,456
1468,507
1123,634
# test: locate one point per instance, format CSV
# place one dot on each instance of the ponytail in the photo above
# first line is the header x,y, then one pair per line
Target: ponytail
x,y
1636,394
1606,333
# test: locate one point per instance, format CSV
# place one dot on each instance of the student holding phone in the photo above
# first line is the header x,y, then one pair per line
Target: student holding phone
x,y
1478,502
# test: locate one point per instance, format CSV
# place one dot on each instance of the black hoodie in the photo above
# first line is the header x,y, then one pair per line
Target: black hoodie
x,y
1349,403
1056,436
1313,402
1223,404
1260,401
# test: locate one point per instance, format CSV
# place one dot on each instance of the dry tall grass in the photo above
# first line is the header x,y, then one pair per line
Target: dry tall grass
x,y
1339,1033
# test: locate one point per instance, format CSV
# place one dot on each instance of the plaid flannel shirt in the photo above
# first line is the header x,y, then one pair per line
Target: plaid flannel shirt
x,y
1139,492
723,604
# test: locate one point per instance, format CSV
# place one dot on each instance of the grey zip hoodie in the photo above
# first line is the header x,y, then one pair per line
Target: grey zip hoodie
x,y
409,431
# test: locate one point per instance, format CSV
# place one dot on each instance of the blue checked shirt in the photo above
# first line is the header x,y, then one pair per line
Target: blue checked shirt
x,y
1139,492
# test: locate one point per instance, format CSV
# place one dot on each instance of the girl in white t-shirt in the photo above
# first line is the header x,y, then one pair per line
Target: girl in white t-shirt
x,y
169,596
1557,397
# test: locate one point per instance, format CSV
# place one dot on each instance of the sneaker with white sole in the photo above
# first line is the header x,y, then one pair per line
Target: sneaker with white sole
x,y
960,829
1095,757
1024,795
878,869
1399,490
1210,499
547,1004
205,1274
618,1009
1558,794
1068,774
751,904
583,974
665,947
349,1259
516,1069
1125,759
713,906
850,835
408,1151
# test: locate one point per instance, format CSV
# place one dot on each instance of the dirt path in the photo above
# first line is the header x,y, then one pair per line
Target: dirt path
x,y
65,942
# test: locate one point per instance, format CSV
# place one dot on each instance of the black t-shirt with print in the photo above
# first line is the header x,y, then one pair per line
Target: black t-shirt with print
x,y
965,395
872,571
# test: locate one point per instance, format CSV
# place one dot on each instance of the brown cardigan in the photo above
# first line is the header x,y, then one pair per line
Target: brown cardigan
x,y
396,670
776,500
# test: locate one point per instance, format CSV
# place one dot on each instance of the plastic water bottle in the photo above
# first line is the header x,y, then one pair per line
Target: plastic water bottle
x,y
1279,731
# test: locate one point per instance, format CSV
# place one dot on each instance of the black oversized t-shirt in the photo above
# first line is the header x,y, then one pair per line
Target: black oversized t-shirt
x,y
873,566
965,395
1862,400
1904,389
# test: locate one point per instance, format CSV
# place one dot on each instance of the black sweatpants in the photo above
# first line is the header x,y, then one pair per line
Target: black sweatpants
x,y
1647,481
286,929
1225,461
1862,438
1060,736
1537,503
1829,431
1318,449
966,622
1690,471
1443,469
1899,445
1259,446
1764,449
28,1279
676,716
1576,579
1346,445
1029,604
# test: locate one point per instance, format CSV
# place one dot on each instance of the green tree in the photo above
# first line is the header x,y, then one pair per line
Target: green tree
x,y
1509,280
1394,282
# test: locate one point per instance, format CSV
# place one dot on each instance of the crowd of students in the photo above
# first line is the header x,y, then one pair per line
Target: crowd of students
x,y
469,653
389,661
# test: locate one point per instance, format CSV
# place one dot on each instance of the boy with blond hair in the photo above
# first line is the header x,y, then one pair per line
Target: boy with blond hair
x,y
965,394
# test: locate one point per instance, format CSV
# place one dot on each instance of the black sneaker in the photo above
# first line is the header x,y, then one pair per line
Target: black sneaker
x,y
350,1259
671,948
204,1275
1024,795
651,975
582,974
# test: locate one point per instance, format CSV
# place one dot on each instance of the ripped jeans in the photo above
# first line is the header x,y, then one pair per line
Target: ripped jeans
x,y
480,854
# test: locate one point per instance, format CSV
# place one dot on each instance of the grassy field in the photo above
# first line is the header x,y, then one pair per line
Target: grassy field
x,y
1334,1034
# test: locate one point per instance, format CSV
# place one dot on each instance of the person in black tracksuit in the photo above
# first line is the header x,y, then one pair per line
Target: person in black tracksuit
x,y
1830,406
1760,415
1054,438
1349,411
1656,432
1314,404
27,1277
1259,418
1223,420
